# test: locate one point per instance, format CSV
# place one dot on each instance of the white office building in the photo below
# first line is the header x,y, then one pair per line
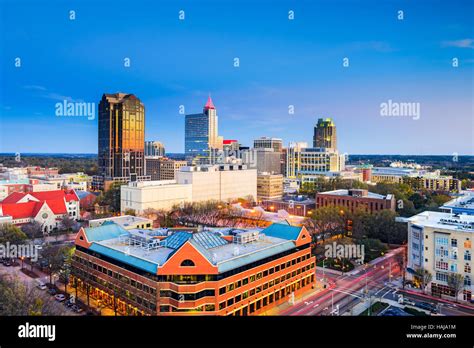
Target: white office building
x,y
225,182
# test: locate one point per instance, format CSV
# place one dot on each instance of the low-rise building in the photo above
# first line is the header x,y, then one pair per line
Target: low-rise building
x,y
127,222
418,179
441,243
463,204
292,204
354,199
47,208
222,271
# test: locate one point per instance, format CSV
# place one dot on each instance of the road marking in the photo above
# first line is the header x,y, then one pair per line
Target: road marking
x,y
347,293
388,291
316,305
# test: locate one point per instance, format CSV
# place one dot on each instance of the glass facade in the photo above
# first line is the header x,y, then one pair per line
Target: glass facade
x,y
121,136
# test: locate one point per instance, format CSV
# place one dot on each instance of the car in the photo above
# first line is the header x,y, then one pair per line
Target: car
x,y
395,312
408,302
60,297
41,286
7,263
77,309
52,291
427,306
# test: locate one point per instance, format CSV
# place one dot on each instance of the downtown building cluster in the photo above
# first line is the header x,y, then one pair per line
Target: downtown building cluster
x,y
126,264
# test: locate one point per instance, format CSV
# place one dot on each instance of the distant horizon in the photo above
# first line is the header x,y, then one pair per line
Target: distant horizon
x,y
182,153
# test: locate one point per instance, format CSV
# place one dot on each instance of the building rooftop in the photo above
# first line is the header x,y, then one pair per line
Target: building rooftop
x,y
445,221
226,248
124,221
358,193
464,203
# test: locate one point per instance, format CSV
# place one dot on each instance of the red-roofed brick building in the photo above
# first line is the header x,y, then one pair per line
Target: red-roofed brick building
x,y
47,208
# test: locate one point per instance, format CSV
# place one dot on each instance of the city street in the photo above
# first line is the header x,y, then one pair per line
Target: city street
x,y
348,290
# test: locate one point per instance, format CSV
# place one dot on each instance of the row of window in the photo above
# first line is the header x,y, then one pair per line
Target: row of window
x,y
262,287
270,298
187,297
120,293
264,274
118,276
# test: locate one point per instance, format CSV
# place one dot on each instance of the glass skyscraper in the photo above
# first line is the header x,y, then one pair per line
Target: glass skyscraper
x,y
121,137
325,134
201,135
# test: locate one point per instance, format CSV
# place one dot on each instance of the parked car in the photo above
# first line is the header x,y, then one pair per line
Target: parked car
x,y
52,291
427,306
408,302
60,297
41,286
395,312
76,309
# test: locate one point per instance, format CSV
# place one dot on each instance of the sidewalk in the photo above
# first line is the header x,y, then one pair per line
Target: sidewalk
x,y
277,310
437,299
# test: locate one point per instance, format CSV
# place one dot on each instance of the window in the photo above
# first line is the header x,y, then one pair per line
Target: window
x,y
467,244
238,298
467,256
245,281
222,290
467,281
245,295
454,267
265,273
467,268
442,265
222,305
443,277
252,278
230,302
187,263
454,243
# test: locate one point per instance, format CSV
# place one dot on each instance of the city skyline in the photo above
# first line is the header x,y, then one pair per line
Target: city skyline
x,y
284,64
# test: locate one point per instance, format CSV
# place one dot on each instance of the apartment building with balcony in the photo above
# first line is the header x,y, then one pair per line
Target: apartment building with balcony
x,y
441,243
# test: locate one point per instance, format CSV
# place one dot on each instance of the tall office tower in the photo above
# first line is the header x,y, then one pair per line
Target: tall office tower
x,y
268,143
201,135
154,148
325,134
121,138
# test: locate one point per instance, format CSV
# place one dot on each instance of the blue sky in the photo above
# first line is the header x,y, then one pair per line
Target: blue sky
x,y
282,63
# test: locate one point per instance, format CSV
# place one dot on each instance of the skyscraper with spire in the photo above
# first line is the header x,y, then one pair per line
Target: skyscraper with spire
x,y
201,134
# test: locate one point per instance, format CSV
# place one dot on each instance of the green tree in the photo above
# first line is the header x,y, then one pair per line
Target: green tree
x,y
11,234
130,212
111,197
424,277
33,230
456,282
